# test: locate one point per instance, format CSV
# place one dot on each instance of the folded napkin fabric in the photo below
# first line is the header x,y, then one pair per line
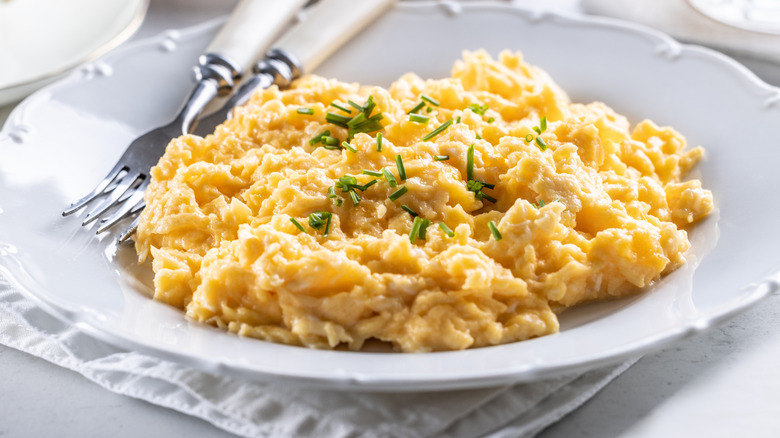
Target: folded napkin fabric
x,y
253,409
680,20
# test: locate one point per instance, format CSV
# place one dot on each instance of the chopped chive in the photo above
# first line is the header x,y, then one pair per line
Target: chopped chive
x,y
318,219
379,142
441,158
430,100
424,223
477,108
415,229
438,130
337,106
399,163
537,130
337,119
416,108
307,111
488,197
409,210
297,224
329,141
543,123
366,185
398,193
372,173
318,138
541,203
446,229
355,197
491,120
428,110
494,230
418,118
332,195
470,163
457,120
529,138
355,105
349,147
542,145
391,181
479,137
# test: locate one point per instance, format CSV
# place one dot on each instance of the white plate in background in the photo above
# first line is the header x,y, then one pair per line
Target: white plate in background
x,y
42,39
57,144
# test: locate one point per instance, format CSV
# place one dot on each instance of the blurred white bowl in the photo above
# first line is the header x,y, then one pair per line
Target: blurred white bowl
x,y
40,40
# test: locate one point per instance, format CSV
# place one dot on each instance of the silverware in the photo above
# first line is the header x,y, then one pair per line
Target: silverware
x,y
325,28
251,28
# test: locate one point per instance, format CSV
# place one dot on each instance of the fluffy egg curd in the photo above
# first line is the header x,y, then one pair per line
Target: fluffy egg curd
x,y
433,215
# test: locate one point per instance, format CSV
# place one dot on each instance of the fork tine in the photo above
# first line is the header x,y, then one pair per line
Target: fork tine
x,y
128,233
127,207
97,191
124,185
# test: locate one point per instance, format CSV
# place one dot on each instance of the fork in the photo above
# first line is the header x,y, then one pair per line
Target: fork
x,y
326,27
251,28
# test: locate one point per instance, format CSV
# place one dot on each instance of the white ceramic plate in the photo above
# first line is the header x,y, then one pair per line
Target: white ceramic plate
x,y
60,141
42,39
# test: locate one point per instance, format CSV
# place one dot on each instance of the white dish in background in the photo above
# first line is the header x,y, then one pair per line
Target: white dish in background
x,y
42,39
60,141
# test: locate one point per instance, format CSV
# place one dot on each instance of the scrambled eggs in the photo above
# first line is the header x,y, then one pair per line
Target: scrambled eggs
x,y
463,216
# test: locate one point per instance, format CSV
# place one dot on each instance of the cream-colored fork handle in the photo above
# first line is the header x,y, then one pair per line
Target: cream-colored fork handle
x,y
251,28
327,26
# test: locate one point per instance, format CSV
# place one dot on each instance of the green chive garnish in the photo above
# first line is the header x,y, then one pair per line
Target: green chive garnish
x,y
307,111
415,229
416,108
349,147
494,230
337,119
297,224
438,130
366,185
318,138
332,195
329,141
372,173
430,100
457,120
529,138
337,106
398,193
542,145
409,210
470,163
418,118
379,142
355,197
441,158
391,181
477,108
419,226
543,123
428,110
541,203
491,120
399,163
446,229
318,219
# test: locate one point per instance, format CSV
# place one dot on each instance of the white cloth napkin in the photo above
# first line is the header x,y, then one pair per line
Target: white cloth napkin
x,y
680,20
253,409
